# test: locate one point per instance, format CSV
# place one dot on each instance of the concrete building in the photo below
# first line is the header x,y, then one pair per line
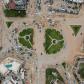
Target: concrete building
x,y
79,68
77,1
12,71
16,4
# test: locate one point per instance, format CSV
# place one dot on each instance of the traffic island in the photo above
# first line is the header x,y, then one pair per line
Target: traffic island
x,y
54,41
26,38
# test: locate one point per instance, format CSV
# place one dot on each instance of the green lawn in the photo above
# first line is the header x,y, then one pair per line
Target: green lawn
x,y
26,32
53,74
8,23
75,29
26,38
14,13
81,70
50,35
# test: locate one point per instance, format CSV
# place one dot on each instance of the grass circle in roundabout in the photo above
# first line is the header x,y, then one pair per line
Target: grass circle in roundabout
x,y
54,41
26,37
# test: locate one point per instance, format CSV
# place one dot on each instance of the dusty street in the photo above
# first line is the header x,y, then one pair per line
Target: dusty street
x,y
72,44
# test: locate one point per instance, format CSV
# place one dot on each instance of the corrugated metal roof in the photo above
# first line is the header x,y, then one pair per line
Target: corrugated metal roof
x,y
20,2
79,1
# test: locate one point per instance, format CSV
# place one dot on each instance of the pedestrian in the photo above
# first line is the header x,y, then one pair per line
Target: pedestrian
x,y
41,53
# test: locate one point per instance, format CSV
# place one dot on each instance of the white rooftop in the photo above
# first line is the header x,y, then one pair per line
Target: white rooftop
x,y
3,69
78,1
10,64
7,82
6,1
15,66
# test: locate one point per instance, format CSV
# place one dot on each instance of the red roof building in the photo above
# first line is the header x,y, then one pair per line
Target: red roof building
x,y
11,4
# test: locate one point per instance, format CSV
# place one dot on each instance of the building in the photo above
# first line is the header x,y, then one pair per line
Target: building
x,y
77,1
78,69
16,4
12,71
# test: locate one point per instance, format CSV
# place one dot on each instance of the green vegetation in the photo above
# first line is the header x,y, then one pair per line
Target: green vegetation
x,y
0,48
52,75
53,41
26,32
1,77
9,23
26,37
81,70
75,29
14,13
64,64
23,81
